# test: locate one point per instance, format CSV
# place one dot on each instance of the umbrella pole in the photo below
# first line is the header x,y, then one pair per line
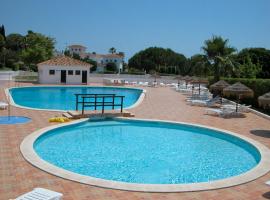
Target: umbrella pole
x,y
199,88
221,96
237,102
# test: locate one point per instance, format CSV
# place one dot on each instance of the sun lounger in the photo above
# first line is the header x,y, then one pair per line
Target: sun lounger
x,y
241,108
223,112
162,84
208,103
40,194
3,105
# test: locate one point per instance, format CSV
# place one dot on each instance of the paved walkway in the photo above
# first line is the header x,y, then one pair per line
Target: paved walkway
x,y
18,176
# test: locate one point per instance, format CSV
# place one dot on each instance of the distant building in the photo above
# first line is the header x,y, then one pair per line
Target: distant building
x,y
77,49
101,59
63,70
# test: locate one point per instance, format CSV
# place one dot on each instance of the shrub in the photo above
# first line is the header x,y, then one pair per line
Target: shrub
x,y
111,67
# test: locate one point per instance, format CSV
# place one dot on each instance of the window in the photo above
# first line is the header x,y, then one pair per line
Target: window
x,y
107,60
70,72
115,60
52,72
78,72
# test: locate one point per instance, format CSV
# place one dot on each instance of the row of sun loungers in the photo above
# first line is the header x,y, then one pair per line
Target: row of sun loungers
x,y
224,110
147,84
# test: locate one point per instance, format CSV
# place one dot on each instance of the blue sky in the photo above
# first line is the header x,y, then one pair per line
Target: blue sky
x,y
133,25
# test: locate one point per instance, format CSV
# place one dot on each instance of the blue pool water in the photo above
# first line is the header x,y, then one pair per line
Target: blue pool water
x,y
14,120
63,98
146,152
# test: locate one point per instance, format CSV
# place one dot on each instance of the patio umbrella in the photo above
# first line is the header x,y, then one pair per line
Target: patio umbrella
x,y
264,100
238,89
199,81
178,78
218,87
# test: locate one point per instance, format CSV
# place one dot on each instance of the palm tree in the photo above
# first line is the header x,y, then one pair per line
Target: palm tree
x,y
218,53
112,50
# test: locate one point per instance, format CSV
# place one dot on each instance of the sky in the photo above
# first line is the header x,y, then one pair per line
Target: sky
x,y
133,25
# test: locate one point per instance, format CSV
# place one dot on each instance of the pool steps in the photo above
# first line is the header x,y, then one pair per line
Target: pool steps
x,y
96,114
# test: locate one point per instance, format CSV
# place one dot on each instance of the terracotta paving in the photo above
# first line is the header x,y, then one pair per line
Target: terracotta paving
x,y
18,176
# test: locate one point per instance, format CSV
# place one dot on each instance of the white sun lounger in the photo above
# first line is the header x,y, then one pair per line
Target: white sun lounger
x,y
3,105
41,194
223,112
208,103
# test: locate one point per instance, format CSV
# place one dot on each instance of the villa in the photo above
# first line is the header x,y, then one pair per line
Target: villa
x,y
101,59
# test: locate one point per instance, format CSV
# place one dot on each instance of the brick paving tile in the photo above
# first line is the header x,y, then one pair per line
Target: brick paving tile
x,y
18,176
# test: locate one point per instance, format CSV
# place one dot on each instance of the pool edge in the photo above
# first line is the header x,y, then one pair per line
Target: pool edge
x,y
259,170
12,102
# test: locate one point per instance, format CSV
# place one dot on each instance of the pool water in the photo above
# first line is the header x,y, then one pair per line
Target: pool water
x,y
146,152
14,120
63,98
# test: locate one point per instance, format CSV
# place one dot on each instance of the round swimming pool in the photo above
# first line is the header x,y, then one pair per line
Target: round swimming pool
x,y
63,97
146,152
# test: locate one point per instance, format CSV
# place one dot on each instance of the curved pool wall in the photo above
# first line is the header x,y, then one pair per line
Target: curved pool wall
x,y
262,156
62,98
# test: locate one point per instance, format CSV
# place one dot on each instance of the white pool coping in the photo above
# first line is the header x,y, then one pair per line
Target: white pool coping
x,y
12,102
259,170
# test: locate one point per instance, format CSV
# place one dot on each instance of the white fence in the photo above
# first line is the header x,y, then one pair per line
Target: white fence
x,y
9,75
98,78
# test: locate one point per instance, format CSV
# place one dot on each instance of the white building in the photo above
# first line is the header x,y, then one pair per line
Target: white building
x,y
63,70
101,59
77,49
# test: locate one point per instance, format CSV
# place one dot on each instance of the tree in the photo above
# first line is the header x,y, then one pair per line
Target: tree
x,y
248,69
2,32
218,54
258,56
112,50
76,56
92,62
158,59
199,65
38,48
15,42
111,67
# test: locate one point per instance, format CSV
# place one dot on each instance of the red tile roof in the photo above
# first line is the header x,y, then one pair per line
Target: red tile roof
x,y
77,45
64,61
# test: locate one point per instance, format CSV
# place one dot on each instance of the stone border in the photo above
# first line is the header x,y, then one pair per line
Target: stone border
x,y
12,102
259,170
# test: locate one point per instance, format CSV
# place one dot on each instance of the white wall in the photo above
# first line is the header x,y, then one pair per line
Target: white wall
x,y
45,78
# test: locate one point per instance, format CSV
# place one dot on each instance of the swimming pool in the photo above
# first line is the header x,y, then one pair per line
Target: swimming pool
x,y
63,97
138,154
